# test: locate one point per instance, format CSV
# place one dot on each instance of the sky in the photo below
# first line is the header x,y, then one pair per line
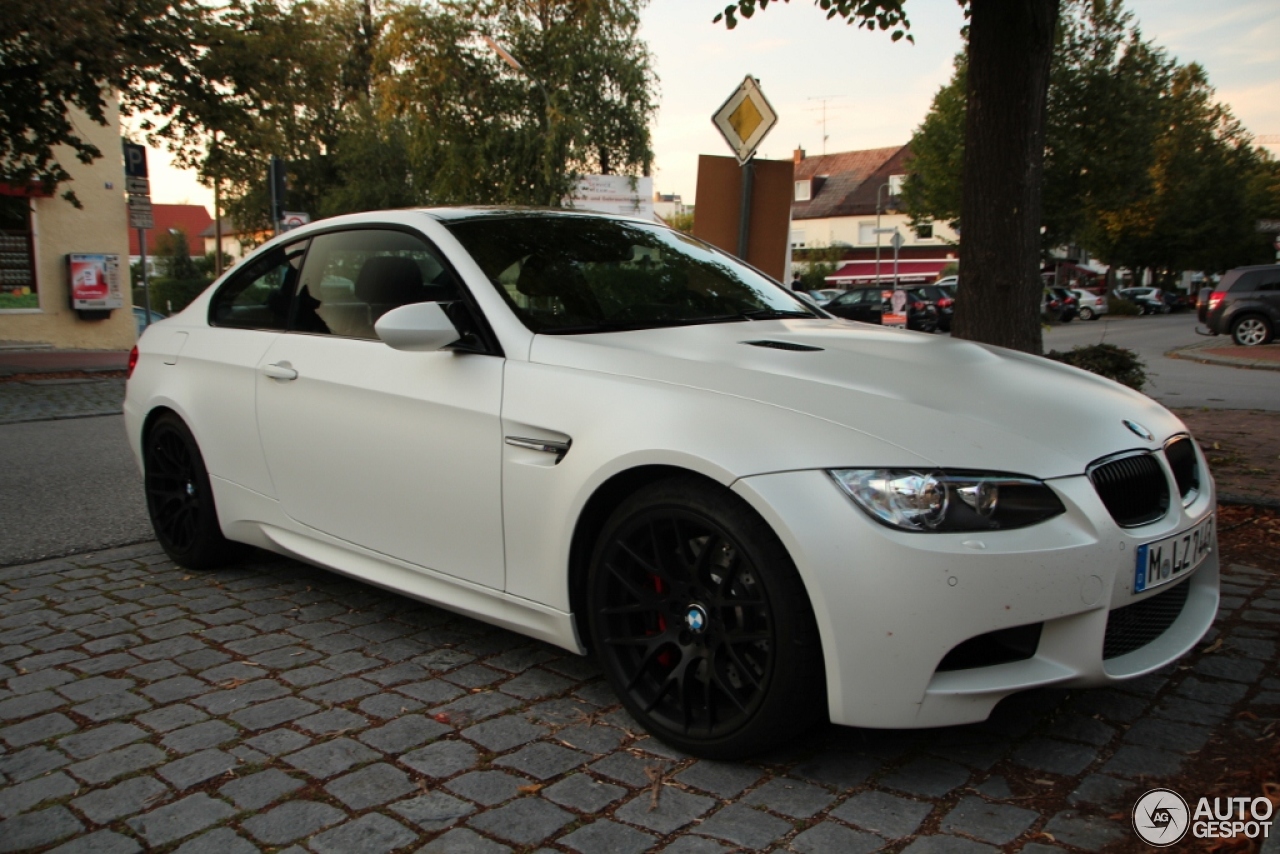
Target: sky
x,y
874,92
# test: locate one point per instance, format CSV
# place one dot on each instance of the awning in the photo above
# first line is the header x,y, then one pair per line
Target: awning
x,y
853,272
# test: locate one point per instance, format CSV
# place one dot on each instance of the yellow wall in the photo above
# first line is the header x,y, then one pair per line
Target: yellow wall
x,y
101,226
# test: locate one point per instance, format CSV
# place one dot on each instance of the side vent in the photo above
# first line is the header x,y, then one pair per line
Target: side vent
x,y
783,345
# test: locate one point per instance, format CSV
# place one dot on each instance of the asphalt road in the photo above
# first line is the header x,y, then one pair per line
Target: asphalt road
x,y
67,487
1174,382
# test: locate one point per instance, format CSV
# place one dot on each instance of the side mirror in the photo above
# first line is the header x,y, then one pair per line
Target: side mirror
x,y
419,327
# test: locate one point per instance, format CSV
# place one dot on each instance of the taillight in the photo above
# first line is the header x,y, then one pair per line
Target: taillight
x,y
1215,298
946,303
133,362
1070,300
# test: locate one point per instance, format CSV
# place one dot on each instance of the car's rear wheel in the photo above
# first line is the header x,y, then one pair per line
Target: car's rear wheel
x,y
1086,313
701,622
1251,330
180,499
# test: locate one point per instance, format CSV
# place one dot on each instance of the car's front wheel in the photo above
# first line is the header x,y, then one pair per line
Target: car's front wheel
x,y
1251,330
701,622
1086,313
179,497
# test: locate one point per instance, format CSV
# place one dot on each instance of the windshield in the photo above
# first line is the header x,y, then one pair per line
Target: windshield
x,y
573,274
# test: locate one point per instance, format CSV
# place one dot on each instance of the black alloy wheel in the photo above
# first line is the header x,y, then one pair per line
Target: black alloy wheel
x,y
179,497
701,623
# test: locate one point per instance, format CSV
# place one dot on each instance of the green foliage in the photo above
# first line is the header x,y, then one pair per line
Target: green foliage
x,y
868,14
952,269
682,222
1142,167
1122,307
1107,360
76,53
171,295
173,255
816,263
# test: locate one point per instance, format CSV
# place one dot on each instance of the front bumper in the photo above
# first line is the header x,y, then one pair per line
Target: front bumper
x,y
891,605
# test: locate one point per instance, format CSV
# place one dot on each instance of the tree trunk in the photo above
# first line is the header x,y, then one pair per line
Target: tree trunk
x,y
1010,48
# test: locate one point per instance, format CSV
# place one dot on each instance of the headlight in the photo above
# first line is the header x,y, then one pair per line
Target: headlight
x,y
948,501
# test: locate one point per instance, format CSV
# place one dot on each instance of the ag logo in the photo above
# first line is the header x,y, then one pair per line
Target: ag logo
x,y
1161,818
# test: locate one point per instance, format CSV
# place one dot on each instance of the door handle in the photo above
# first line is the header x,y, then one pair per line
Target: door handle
x,y
280,371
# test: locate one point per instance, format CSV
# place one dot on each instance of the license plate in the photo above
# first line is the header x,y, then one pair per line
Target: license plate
x,y
1169,559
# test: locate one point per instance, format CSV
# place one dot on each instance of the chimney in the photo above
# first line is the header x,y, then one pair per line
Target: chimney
x,y
798,156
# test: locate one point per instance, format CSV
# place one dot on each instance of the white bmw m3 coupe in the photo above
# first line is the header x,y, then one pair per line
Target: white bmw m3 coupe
x,y
611,436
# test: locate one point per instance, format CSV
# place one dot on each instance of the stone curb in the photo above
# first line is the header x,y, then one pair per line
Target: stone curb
x,y
1191,354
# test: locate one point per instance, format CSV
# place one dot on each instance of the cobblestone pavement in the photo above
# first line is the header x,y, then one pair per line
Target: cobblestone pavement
x,y
277,706
46,399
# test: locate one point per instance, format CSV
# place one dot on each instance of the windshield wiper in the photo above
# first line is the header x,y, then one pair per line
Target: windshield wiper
x,y
775,313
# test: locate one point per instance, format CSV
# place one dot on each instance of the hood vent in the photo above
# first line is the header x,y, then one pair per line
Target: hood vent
x,y
783,345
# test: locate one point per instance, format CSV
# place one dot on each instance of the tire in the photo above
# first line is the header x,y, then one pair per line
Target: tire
x,y
702,624
1251,330
1086,313
180,499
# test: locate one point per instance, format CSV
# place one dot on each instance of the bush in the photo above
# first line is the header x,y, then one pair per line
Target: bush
x,y
171,295
1115,305
1107,360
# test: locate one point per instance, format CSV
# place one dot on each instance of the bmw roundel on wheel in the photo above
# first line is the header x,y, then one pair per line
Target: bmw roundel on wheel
x,y
608,435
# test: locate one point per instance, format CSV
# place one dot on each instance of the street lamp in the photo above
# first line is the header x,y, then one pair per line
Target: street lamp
x,y
550,137
879,230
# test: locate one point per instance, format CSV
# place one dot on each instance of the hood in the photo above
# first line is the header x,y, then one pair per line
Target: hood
x,y
955,403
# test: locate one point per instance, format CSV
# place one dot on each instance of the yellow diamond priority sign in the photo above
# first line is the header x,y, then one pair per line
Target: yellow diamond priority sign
x,y
745,119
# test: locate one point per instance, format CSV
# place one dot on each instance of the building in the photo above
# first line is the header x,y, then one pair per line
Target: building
x,y
670,205
191,220
234,244
46,244
851,200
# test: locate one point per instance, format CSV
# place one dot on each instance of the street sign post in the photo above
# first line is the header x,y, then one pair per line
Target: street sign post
x,y
141,217
744,121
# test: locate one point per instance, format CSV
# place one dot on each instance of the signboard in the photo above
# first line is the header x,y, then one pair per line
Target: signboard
x,y
135,160
1269,225
138,186
745,119
94,281
294,219
615,194
140,214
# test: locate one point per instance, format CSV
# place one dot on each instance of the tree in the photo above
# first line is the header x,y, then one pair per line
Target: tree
x,y
55,56
1009,53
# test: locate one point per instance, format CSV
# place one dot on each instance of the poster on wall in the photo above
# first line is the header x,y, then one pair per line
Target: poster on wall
x,y
95,281
615,194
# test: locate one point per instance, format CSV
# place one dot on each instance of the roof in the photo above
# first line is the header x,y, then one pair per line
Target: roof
x,y
848,181
190,219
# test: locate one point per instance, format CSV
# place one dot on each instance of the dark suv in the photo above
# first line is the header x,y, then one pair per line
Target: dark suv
x,y
1246,303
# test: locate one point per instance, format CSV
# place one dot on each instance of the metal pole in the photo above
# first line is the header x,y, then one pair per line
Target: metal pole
x,y
896,242
217,227
146,285
744,210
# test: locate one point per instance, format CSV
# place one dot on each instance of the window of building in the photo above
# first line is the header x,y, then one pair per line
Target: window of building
x,y
866,232
797,240
925,231
17,255
804,190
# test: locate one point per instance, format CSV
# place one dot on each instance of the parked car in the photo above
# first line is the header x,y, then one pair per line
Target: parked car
x,y
1091,306
1177,301
1058,305
1148,300
948,282
140,318
942,300
823,296
620,440
1245,304
869,305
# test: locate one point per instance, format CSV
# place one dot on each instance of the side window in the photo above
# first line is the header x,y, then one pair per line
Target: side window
x,y
259,295
352,278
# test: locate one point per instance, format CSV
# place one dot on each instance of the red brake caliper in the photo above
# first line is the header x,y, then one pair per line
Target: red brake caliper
x,y
664,657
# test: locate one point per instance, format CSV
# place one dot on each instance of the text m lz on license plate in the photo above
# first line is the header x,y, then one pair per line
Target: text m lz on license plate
x,y
1173,557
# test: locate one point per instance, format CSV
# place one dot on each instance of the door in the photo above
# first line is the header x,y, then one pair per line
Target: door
x,y
396,452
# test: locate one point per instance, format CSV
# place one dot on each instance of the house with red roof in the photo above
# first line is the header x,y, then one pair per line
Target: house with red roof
x,y
191,220
851,199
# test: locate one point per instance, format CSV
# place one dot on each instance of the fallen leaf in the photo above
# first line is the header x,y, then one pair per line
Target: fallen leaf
x,y
441,717
1213,647
529,789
